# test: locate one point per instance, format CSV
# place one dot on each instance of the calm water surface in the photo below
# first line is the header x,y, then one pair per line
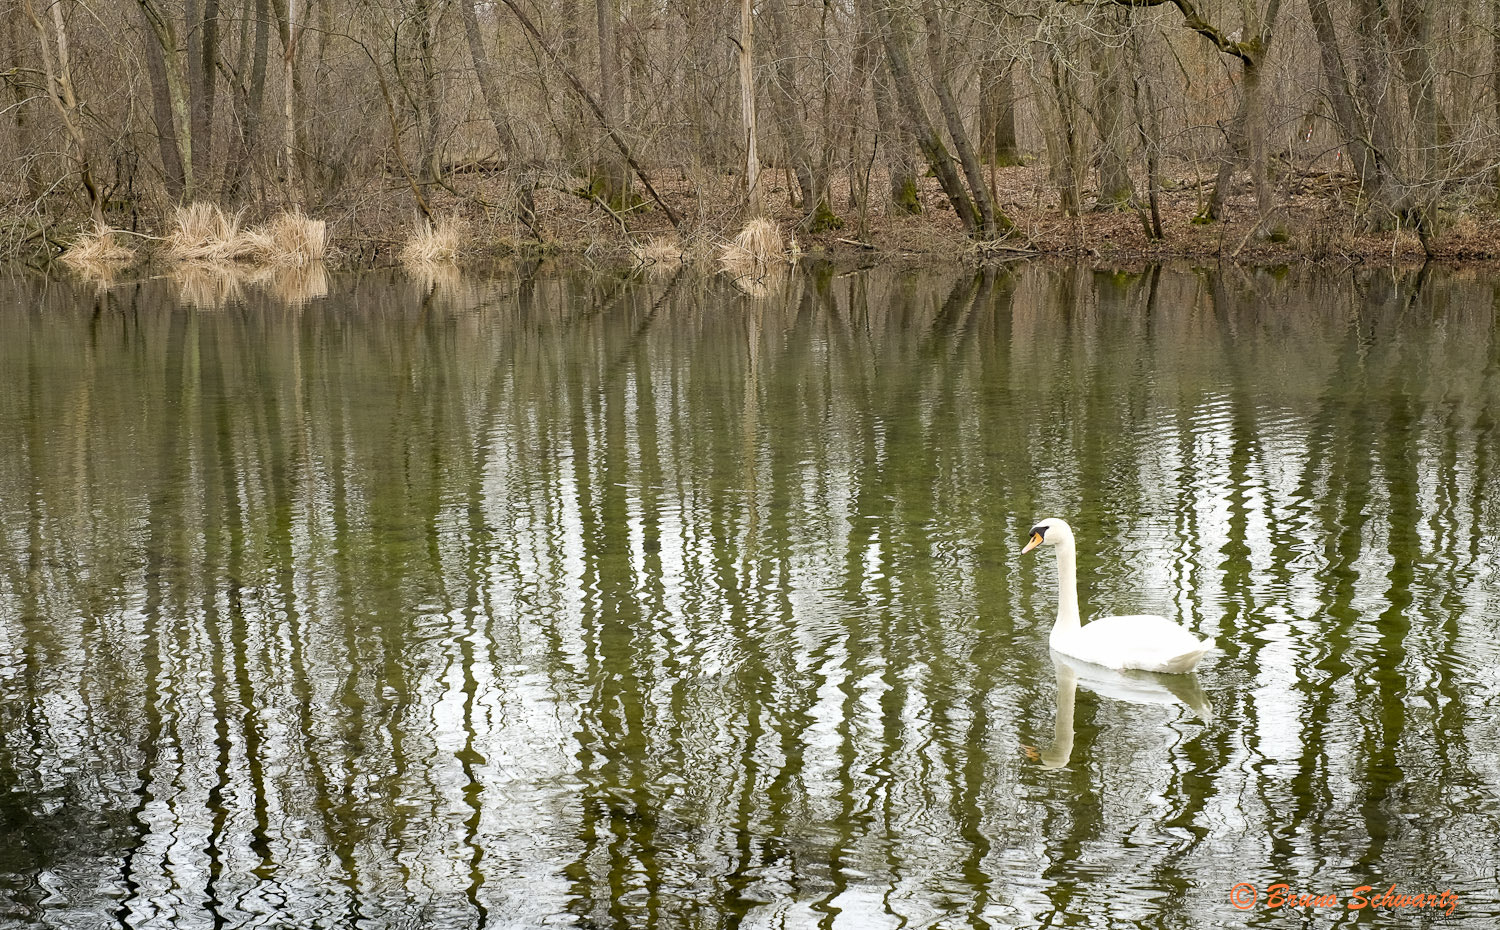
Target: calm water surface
x,y
543,599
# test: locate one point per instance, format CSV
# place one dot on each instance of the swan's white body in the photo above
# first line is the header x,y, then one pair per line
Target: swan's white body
x,y
1152,644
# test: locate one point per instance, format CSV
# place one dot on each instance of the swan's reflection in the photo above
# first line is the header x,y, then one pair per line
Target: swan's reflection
x,y
1131,685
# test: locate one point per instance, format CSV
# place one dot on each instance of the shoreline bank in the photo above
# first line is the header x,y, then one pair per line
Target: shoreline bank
x,y
1322,223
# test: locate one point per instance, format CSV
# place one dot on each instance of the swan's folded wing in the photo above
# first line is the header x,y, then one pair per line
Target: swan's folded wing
x,y
1142,641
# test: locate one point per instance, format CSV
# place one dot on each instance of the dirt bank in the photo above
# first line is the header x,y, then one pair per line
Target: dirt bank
x,y
1321,222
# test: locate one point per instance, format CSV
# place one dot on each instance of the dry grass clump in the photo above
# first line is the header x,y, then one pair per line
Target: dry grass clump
x,y
201,232
757,257
433,243
756,246
98,253
289,240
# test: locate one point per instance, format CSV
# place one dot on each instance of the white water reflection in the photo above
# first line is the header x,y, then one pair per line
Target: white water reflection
x,y
595,603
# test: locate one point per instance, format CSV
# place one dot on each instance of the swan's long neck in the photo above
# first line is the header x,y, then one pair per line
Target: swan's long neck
x,y
1067,587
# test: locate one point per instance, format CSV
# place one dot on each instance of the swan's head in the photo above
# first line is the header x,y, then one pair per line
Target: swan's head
x,y
1048,532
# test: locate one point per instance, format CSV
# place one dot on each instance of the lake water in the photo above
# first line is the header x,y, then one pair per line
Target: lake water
x,y
545,598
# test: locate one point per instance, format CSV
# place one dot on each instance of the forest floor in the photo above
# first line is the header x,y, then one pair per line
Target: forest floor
x,y
1321,222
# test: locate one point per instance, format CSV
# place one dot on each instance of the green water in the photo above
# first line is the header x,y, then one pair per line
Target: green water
x,y
550,599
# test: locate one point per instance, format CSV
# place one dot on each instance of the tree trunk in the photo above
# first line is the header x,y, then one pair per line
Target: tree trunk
x,y
1376,100
1116,189
1247,138
900,162
991,222
179,123
1268,219
1235,150
59,72
1419,74
570,46
1146,123
1346,113
898,62
431,104
202,31
289,100
494,103
593,105
18,53
1056,112
997,115
612,184
754,203
891,137
252,106
1495,78
812,180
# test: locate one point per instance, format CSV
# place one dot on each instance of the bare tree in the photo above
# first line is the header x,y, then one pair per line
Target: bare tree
x,y
611,181
57,67
484,73
452,101
755,203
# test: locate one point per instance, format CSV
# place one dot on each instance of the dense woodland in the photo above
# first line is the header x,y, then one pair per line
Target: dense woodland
x,y
684,112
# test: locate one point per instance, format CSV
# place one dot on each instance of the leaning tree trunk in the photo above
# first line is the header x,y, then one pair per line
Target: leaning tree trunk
x,y
1352,128
485,73
594,107
1236,143
59,73
990,220
891,137
898,62
1247,140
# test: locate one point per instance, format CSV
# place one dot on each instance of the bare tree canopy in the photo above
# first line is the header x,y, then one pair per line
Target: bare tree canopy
x,y
122,109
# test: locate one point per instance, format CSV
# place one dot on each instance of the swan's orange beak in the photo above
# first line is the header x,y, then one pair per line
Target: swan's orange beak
x,y
1036,540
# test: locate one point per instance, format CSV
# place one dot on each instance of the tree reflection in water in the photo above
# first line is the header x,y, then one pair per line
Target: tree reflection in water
x,y
635,602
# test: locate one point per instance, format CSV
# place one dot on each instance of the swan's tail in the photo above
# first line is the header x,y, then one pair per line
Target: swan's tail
x,y
1187,661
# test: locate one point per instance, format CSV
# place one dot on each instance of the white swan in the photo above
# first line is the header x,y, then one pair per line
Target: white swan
x,y
1153,644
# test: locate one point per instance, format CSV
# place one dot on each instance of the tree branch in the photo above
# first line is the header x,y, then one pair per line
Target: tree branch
x,y
1247,52
593,104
